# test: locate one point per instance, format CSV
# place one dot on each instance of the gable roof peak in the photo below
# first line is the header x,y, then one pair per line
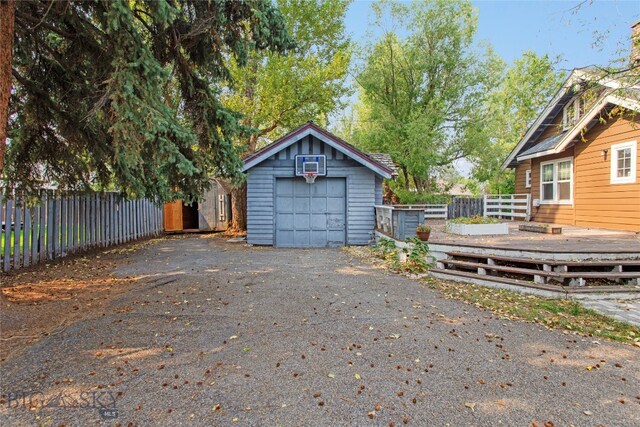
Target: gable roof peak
x,y
310,128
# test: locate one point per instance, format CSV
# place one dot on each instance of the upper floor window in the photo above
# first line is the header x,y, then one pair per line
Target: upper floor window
x,y
572,112
623,163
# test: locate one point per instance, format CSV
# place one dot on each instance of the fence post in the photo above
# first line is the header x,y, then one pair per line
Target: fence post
x,y
16,234
7,234
26,245
63,224
35,231
484,206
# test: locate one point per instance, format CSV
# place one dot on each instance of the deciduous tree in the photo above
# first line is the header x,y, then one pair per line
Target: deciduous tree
x,y
420,92
277,93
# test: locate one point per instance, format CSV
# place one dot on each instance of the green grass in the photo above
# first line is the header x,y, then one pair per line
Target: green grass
x,y
11,242
553,313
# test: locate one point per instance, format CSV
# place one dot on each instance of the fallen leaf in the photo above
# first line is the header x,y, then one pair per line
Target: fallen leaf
x,y
356,376
471,406
331,375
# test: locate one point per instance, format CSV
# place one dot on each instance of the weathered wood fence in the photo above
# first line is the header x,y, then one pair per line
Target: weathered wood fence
x,y
63,224
465,207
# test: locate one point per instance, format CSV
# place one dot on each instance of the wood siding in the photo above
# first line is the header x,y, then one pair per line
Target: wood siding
x,y
598,202
520,177
361,191
552,213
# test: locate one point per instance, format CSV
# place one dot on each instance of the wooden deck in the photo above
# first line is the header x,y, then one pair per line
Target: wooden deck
x,y
572,240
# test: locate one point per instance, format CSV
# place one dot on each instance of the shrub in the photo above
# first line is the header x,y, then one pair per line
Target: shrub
x,y
474,220
416,261
422,228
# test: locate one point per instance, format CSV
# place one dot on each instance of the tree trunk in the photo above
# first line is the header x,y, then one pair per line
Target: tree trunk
x,y
418,183
7,19
239,209
405,174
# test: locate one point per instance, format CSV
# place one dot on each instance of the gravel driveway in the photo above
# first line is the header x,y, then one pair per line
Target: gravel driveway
x,y
220,333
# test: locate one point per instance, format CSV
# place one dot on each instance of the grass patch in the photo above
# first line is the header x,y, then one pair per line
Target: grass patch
x,y
552,313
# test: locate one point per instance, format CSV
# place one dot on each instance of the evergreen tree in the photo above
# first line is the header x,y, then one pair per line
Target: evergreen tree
x,y
126,93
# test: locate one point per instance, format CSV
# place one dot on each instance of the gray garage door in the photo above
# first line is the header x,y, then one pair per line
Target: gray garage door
x,y
310,215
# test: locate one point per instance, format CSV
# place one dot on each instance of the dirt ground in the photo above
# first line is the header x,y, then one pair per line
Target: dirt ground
x,y
43,299
193,330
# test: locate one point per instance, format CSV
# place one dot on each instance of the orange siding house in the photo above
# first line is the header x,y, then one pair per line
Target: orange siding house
x,y
580,160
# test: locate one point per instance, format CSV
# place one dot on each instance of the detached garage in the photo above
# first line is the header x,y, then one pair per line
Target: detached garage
x,y
312,189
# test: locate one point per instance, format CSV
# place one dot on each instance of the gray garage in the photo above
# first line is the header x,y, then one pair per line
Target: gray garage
x,y
312,189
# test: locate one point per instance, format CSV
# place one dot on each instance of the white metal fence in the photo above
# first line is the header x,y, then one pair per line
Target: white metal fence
x,y
60,225
508,206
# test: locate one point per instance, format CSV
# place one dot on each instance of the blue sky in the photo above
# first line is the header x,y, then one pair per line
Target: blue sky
x,y
578,33
595,33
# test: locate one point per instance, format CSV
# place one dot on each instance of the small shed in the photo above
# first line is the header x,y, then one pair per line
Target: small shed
x,y
210,213
335,208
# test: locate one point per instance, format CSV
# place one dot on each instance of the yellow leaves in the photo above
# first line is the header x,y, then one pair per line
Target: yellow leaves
x,y
356,376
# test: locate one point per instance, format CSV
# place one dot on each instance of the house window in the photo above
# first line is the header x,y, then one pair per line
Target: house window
x,y
623,163
556,181
527,178
572,112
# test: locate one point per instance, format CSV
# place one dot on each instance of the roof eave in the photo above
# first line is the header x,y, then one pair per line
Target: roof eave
x,y
584,122
311,129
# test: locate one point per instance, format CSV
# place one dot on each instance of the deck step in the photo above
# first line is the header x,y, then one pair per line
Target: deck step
x,y
457,275
523,260
552,274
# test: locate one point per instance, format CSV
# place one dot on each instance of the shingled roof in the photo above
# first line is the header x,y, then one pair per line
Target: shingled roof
x,y
385,160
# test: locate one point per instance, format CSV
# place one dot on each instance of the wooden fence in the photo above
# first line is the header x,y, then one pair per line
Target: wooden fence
x,y
465,207
508,206
71,223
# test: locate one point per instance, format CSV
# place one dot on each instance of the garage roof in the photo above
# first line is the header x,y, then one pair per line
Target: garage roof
x,y
375,162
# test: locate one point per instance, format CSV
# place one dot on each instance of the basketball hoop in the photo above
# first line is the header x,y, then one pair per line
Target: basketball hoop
x,y
310,177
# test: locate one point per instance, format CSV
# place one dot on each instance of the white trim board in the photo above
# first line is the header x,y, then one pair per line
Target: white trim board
x,y
582,123
631,179
576,76
296,136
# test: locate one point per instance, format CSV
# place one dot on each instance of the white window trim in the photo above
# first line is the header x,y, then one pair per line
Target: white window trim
x,y
614,162
527,178
576,104
555,200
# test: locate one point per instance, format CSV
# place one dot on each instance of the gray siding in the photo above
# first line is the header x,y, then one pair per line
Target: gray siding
x,y
361,191
378,190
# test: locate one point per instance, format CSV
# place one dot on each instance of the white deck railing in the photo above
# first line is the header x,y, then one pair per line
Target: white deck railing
x,y
384,218
436,211
431,211
508,206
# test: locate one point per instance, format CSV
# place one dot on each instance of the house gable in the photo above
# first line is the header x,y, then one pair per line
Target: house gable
x,y
538,133
310,129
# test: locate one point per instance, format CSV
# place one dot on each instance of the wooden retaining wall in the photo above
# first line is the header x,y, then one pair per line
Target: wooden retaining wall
x,y
63,224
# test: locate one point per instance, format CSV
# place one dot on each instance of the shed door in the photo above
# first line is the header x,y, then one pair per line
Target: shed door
x,y
310,215
173,216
